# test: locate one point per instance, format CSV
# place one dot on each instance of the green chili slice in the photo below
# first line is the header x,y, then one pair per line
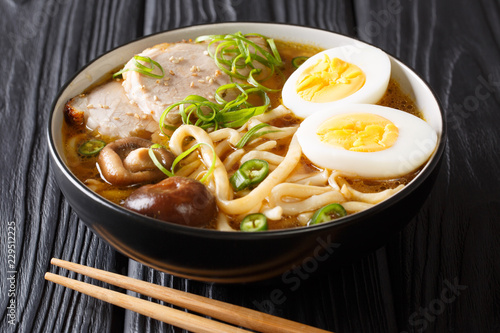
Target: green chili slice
x,y
256,170
254,222
91,147
250,173
297,61
328,213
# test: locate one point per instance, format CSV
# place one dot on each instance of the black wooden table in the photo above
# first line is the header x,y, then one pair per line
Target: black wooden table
x,y
441,273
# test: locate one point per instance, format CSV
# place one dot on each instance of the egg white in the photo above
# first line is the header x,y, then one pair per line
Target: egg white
x,y
415,143
374,63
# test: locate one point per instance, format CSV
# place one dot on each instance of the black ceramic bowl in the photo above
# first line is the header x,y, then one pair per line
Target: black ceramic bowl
x,y
211,255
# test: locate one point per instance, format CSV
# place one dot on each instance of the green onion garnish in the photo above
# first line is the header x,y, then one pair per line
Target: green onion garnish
x,y
243,141
142,69
236,55
189,151
252,134
170,173
199,111
297,61
156,162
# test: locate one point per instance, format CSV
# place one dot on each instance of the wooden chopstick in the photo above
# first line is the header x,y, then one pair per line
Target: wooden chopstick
x,y
226,312
166,314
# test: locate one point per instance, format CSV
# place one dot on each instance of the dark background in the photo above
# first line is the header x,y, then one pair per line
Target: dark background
x,y
440,274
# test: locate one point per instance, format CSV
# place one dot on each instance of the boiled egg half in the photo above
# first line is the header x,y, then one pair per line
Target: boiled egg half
x,y
367,140
337,76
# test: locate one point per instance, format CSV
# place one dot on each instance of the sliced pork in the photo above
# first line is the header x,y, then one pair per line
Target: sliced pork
x,y
189,70
108,110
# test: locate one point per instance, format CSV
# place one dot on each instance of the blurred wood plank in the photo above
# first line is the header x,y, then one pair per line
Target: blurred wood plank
x,y
347,299
455,238
44,44
330,15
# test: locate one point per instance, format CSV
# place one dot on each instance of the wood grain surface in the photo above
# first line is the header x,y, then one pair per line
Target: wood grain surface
x,y
440,274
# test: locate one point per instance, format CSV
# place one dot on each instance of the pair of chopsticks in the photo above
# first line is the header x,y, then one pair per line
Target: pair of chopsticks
x,y
233,314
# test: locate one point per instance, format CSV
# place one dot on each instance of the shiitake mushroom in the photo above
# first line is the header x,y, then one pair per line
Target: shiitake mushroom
x,y
126,162
178,200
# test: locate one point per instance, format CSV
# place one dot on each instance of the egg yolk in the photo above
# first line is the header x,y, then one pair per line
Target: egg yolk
x,y
362,132
329,80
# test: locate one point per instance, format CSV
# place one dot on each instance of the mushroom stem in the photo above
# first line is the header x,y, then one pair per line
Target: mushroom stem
x,y
126,162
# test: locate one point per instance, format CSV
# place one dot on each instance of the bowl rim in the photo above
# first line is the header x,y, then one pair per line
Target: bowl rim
x,y
426,171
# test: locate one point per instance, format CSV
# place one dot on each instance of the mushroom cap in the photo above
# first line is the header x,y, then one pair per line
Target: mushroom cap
x,y
178,200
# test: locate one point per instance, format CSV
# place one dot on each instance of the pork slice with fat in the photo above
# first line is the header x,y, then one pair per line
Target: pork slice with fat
x,y
108,110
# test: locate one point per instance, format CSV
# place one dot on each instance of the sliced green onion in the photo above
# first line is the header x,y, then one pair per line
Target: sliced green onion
x,y
236,55
239,181
91,147
156,162
254,82
252,134
328,213
248,135
170,173
142,69
169,127
297,61
189,151
274,50
250,173
199,111
254,222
